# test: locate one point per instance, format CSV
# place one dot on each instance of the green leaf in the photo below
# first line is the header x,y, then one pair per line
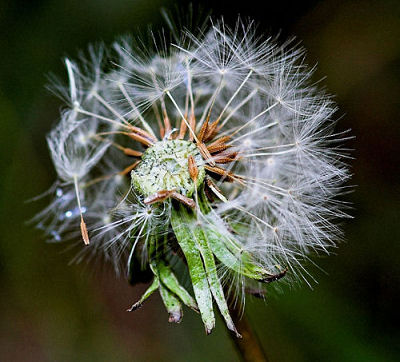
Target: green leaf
x,y
233,256
169,279
197,273
213,278
197,235
226,249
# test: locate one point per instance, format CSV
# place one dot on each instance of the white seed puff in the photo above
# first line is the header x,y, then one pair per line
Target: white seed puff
x,y
273,164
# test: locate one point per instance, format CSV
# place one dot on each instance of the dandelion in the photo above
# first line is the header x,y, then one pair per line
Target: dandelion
x,y
216,151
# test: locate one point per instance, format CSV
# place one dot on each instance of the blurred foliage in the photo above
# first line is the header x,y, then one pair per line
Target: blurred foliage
x,y
50,311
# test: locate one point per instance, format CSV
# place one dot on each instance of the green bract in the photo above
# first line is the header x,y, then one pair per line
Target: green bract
x,y
164,167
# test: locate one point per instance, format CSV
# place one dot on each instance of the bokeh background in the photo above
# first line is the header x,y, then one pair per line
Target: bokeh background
x,y
50,311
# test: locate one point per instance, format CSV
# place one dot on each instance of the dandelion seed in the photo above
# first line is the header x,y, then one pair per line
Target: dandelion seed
x,y
217,148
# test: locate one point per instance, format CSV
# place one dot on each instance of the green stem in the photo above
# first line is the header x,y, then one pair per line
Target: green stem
x,y
249,346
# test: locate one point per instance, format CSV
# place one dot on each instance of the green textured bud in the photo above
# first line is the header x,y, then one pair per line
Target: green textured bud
x,y
164,166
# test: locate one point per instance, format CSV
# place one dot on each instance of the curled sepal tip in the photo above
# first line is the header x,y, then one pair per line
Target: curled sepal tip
x,y
172,304
150,290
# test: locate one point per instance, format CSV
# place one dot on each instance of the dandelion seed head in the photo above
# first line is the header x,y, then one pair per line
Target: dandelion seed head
x,y
217,143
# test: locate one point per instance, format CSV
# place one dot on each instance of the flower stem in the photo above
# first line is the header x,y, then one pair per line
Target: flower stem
x,y
249,346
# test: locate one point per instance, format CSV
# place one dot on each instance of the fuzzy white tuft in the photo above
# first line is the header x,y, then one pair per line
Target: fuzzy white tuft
x,y
291,162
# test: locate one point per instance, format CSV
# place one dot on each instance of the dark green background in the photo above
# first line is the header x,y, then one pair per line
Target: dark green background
x,y
50,311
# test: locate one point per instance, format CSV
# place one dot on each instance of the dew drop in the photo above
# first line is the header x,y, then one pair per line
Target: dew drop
x,y
74,212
